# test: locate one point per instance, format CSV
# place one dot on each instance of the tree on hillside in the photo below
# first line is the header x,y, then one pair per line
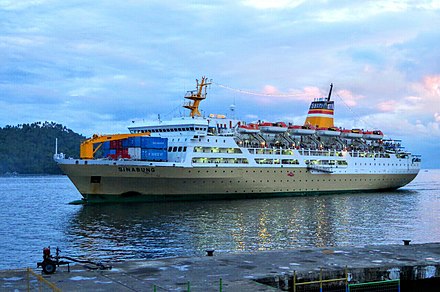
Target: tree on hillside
x,y
29,148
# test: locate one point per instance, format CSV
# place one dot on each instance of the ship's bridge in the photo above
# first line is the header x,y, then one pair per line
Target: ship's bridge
x,y
185,126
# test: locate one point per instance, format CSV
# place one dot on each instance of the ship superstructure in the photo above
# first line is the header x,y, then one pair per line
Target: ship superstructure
x,y
214,157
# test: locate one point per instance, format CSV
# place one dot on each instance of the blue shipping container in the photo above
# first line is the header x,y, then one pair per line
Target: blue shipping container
x,y
154,154
134,142
131,142
154,142
106,145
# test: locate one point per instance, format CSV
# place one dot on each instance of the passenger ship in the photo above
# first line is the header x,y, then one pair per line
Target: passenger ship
x,y
216,157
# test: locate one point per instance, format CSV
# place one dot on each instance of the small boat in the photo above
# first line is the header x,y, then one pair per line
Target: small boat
x,y
248,129
332,131
274,128
298,130
373,135
352,134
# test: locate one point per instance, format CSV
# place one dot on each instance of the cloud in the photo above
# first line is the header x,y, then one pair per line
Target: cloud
x,y
108,62
270,90
273,4
20,5
349,98
387,106
363,10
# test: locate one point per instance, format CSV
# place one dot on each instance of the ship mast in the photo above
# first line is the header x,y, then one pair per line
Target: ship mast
x,y
330,92
196,96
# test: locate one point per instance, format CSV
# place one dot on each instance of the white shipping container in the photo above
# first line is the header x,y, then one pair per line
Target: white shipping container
x,y
134,152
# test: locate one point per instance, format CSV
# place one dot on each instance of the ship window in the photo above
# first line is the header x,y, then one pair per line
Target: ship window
x,y
180,149
289,161
169,149
174,149
184,149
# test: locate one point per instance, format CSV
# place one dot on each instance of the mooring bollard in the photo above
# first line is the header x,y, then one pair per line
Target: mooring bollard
x,y
210,252
406,242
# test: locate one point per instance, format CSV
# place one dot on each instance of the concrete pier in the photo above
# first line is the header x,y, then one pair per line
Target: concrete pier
x,y
257,271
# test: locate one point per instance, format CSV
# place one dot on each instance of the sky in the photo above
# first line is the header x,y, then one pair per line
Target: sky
x,y
94,66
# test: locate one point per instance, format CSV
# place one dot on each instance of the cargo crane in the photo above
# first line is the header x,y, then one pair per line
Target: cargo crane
x,y
88,149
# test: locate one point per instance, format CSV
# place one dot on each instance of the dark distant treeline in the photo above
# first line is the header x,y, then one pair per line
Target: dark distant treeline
x,y
29,148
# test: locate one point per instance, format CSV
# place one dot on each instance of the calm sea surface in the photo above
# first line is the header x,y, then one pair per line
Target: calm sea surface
x,y
34,213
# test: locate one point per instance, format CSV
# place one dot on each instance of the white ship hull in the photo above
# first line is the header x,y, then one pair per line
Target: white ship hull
x,y
106,181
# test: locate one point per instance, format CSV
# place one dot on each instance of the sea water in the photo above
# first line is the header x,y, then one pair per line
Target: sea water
x,y
34,213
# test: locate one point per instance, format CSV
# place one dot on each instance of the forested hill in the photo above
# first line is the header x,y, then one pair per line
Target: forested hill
x,y
29,148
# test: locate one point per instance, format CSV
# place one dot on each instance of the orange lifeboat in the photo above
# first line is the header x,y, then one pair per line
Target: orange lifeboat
x,y
373,135
273,128
248,129
331,132
352,134
298,130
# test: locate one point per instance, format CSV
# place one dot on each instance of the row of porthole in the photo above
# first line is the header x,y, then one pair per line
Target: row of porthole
x,y
379,164
261,171
292,181
254,171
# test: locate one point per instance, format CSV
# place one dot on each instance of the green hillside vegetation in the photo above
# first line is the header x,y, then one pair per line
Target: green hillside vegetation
x,y
29,148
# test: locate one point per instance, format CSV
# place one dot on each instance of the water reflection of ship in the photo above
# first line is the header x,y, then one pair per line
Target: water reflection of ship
x,y
139,231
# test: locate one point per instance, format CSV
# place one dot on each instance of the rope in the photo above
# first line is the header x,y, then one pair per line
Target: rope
x,y
257,93
359,118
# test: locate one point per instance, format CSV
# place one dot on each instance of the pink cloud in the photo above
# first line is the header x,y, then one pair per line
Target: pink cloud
x,y
432,85
387,106
271,94
348,97
429,88
270,89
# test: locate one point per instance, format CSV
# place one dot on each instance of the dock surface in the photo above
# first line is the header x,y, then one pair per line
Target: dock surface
x,y
256,271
